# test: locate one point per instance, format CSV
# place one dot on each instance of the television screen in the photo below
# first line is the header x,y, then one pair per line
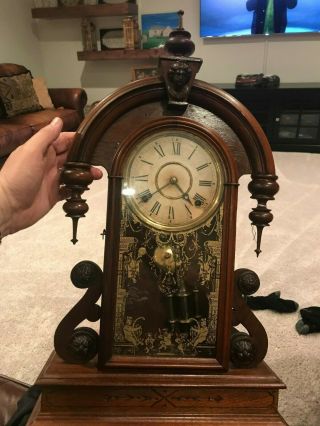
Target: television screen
x,y
223,18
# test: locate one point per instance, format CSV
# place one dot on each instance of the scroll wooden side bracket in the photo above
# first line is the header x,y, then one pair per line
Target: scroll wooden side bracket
x,y
80,345
247,350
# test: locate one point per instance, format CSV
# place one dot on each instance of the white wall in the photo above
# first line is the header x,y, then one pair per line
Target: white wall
x,y
19,42
293,58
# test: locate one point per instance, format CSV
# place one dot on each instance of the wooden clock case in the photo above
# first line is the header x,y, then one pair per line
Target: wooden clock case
x,y
82,388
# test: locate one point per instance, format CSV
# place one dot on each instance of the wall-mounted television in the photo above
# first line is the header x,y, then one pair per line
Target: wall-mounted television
x,y
228,18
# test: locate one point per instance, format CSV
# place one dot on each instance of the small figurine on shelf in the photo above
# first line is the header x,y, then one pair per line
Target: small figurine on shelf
x,y
89,36
128,32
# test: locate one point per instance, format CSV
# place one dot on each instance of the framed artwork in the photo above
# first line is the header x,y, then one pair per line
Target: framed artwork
x,y
111,38
156,28
142,72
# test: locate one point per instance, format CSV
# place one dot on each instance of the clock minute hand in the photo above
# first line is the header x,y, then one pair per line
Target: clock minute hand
x,y
185,195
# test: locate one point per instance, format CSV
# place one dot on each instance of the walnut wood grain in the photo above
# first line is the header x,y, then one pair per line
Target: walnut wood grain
x,y
72,394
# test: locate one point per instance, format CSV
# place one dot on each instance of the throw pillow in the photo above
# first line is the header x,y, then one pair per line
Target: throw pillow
x,y
18,95
42,93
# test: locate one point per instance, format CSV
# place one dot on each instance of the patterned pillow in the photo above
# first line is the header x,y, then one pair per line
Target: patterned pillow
x,y
18,95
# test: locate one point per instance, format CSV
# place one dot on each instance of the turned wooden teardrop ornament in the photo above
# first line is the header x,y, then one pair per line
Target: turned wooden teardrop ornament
x,y
263,188
76,177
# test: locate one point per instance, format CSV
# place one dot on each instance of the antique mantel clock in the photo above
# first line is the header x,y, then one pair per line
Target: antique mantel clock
x,y
167,350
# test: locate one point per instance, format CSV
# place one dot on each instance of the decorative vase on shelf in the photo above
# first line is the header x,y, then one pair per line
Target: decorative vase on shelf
x,y
128,32
89,36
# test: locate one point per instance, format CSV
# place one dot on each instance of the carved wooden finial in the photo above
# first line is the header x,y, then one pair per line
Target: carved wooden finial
x,y
178,69
263,188
180,14
76,177
179,42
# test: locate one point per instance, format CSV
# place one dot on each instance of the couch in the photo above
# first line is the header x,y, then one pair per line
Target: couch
x,y
11,391
23,111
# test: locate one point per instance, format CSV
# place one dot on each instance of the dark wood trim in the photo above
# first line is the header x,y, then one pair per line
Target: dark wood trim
x,y
241,121
106,358
72,394
111,259
229,109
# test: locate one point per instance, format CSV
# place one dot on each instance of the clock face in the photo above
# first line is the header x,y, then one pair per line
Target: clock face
x,y
173,180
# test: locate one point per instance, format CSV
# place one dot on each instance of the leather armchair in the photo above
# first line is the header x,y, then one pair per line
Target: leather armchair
x,y
10,392
69,105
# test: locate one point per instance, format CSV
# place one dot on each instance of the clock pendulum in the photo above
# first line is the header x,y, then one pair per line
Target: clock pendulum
x,y
169,349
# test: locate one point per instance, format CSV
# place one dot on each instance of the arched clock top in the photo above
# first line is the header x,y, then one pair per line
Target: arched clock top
x,y
251,138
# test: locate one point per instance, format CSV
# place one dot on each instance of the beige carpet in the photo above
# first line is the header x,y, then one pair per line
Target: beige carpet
x,y
35,291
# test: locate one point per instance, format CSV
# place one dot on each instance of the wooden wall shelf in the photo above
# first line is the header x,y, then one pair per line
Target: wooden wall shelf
x,y
84,11
99,10
117,54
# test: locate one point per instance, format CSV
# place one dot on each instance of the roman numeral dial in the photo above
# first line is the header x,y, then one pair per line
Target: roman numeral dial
x,y
173,180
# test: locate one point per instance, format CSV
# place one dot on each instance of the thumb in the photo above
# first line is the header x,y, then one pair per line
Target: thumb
x,y
46,136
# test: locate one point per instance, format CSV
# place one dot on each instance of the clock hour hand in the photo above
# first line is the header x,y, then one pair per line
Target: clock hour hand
x,y
185,195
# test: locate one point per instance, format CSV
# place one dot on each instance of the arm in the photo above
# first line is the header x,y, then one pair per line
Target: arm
x,y
29,179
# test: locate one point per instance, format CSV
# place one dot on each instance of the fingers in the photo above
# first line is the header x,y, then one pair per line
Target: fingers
x,y
96,173
62,147
45,136
63,142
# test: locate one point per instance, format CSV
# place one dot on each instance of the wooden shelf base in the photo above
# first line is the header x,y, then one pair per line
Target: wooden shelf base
x,y
116,54
85,11
76,395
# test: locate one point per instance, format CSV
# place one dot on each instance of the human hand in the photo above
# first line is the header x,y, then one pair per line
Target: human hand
x,y
29,179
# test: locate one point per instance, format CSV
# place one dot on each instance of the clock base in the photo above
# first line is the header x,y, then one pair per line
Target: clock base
x,y
75,395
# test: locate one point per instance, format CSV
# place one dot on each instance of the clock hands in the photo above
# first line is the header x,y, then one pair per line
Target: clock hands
x,y
185,195
146,195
